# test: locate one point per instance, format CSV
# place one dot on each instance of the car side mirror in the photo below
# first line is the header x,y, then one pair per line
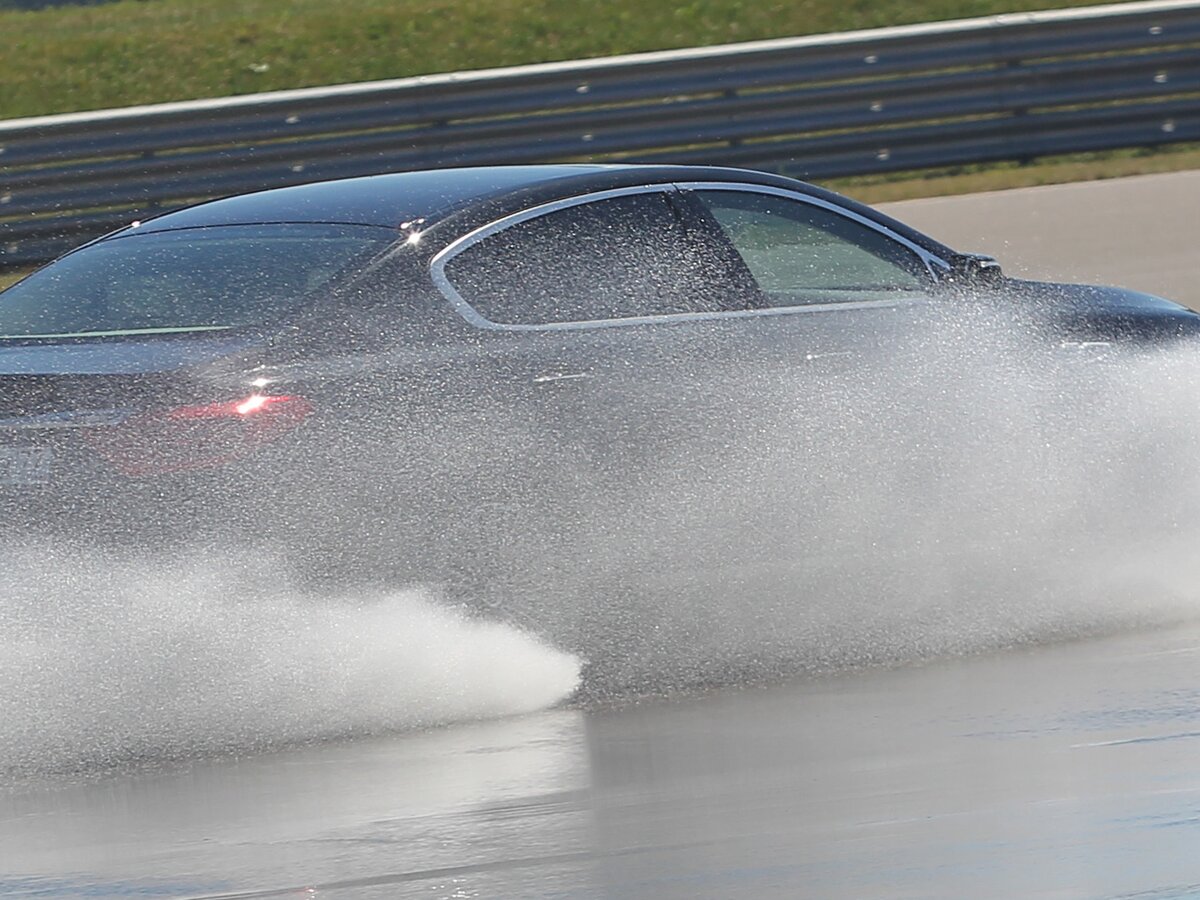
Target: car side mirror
x,y
974,269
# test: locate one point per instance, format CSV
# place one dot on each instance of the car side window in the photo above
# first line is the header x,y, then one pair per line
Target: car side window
x,y
800,253
614,258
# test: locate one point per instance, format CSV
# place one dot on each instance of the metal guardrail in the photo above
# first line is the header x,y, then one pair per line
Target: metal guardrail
x,y
1005,87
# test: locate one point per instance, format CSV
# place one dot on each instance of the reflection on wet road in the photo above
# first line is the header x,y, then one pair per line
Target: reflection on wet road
x,y
1061,771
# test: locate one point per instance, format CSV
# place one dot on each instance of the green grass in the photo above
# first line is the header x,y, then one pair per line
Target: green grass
x,y
71,58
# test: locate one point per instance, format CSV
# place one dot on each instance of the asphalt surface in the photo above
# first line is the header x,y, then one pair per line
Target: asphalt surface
x,y
1060,770
1065,771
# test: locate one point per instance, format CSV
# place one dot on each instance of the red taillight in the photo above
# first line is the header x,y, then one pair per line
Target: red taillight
x,y
197,437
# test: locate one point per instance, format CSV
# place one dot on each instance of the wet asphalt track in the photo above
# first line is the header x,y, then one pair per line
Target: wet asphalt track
x,y
1067,771
1056,771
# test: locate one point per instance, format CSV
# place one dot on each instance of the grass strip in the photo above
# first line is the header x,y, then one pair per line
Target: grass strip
x,y
70,58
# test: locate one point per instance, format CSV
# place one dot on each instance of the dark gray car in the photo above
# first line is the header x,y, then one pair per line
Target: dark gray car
x,y
431,375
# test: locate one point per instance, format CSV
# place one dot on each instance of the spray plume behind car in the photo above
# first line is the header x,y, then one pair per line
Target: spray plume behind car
x,y
1007,506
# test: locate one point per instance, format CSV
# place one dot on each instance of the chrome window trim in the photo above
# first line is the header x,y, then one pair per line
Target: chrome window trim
x,y
437,265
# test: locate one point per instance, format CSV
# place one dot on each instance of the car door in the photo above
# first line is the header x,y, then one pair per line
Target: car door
x,y
599,320
588,307
852,345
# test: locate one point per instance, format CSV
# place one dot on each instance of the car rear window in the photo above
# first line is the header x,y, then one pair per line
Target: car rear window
x,y
199,279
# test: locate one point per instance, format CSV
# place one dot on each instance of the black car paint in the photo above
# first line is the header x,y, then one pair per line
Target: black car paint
x,y
385,360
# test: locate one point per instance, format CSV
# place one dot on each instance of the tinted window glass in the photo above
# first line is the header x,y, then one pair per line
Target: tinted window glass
x,y
190,280
609,259
802,253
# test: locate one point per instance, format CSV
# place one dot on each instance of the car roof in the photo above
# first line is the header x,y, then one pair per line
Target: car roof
x,y
430,196
390,200
387,200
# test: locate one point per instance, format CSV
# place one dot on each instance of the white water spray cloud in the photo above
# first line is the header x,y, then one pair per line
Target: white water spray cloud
x,y
105,661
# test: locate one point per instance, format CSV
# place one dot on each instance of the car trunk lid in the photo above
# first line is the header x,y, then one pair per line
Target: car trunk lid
x,y
133,407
